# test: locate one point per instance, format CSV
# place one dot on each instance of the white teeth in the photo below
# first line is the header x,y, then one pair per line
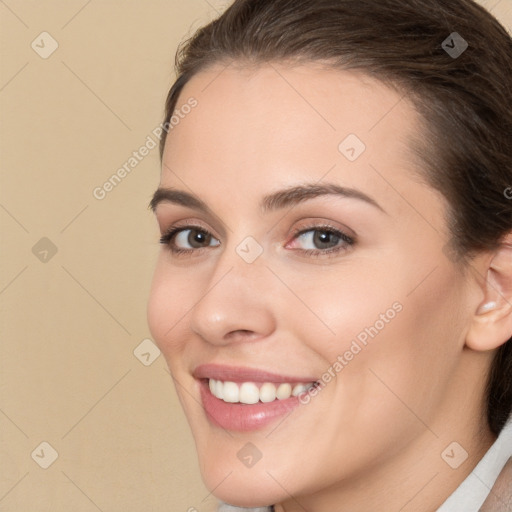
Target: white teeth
x,y
230,392
249,393
268,392
298,389
284,391
219,389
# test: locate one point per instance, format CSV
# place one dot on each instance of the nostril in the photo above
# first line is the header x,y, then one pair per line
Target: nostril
x,y
244,334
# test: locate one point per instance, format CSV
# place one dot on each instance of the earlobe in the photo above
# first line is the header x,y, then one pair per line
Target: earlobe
x,y
488,306
492,322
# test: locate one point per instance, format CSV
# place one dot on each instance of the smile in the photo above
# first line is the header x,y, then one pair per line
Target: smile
x,y
246,399
252,392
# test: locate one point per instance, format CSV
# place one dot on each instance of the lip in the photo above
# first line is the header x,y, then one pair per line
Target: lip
x,y
245,374
243,417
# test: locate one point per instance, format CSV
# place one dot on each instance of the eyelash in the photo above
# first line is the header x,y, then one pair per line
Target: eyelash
x,y
168,237
346,240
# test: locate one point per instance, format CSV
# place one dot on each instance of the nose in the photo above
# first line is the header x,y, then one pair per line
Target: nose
x,y
236,303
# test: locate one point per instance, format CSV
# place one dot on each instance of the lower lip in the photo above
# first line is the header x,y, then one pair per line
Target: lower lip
x,y
243,417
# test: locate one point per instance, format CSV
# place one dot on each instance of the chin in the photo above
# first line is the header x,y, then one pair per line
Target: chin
x,y
246,493
240,486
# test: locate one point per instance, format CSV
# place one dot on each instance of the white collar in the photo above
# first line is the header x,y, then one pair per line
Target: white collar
x,y
474,490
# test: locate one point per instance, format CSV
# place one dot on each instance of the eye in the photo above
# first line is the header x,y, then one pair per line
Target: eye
x,y
312,241
318,240
187,239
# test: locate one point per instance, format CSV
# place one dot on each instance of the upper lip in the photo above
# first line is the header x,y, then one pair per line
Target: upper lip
x,y
244,374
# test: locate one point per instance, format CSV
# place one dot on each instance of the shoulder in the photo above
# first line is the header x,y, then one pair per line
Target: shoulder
x,y
500,496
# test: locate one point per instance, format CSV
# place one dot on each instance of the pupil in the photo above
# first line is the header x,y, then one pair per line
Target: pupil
x,y
325,238
197,238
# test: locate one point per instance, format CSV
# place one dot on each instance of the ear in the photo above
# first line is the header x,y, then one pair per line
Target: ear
x,y
492,322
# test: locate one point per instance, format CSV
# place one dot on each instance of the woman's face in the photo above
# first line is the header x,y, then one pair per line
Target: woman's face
x,y
306,257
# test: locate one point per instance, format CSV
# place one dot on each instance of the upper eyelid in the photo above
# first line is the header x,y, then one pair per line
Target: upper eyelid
x,y
346,237
183,224
322,223
315,225
211,225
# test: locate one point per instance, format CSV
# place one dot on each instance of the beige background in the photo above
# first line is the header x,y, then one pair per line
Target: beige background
x,y
71,322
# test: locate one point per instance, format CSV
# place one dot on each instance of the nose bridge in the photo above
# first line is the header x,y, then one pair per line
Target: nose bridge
x,y
234,299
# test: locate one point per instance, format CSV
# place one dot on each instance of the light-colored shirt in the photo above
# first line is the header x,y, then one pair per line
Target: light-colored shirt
x,y
489,485
479,484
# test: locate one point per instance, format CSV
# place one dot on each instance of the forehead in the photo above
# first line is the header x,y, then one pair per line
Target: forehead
x,y
254,127
287,110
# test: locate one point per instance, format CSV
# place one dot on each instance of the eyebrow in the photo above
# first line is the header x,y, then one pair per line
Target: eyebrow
x,y
272,202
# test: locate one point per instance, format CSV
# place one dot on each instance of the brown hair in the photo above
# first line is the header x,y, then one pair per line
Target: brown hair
x,y
465,101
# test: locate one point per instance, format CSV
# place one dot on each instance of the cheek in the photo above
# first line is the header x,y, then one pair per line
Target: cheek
x,y
410,352
341,306
380,343
167,307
